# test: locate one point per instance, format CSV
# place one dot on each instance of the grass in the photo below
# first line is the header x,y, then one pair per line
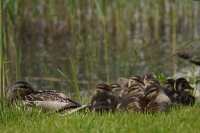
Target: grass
x,y
184,120
93,40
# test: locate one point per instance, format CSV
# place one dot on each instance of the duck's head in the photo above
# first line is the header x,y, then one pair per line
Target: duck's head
x,y
182,84
103,87
135,81
169,84
103,99
19,90
150,80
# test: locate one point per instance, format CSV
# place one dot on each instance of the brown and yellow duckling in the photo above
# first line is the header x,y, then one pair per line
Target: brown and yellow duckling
x,y
24,93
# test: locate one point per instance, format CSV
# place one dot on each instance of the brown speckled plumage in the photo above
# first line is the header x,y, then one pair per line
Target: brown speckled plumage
x,y
23,92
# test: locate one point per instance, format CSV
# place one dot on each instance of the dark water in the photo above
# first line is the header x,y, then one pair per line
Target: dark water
x,y
71,46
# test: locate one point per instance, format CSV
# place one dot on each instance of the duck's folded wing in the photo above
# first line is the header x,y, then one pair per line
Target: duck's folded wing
x,y
47,96
46,105
51,105
130,103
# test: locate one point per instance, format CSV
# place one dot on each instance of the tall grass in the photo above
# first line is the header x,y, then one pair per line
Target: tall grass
x,y
2,51
8,40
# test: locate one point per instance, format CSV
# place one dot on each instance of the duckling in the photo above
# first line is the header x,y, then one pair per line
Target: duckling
x,y
134,85
157,99
23,92
104,100
131,94
179,91
183,90
144,94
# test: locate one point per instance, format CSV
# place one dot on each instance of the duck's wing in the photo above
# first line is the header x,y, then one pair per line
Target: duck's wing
x,y
185,98
44,96
52,100
160,104
46,105
130,99
130,104
154,107
135,86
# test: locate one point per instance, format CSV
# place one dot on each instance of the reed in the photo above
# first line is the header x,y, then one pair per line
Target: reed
x,y
2,51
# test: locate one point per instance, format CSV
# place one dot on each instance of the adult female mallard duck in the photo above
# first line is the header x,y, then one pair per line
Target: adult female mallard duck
x,y
23,92
179,91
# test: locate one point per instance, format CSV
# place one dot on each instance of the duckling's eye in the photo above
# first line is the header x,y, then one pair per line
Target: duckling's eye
x,y
184,86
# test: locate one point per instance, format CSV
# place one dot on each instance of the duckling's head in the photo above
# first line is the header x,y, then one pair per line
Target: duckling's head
x,y
103,87
182,84
149,80
135,80
169,85
103,99
19,90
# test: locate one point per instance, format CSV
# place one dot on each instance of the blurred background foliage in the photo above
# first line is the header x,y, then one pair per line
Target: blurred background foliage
x,y
71,45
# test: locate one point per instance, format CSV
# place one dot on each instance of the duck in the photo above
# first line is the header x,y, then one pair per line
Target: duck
x,y
144,94
130,85
48,100
103,100
157,99
179,91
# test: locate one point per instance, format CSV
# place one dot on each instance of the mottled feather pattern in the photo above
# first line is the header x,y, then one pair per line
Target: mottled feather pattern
x,y
179,91
46,99
143,94
135,94
46,96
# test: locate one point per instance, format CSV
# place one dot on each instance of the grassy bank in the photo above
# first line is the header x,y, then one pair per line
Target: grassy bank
x,y
183,120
